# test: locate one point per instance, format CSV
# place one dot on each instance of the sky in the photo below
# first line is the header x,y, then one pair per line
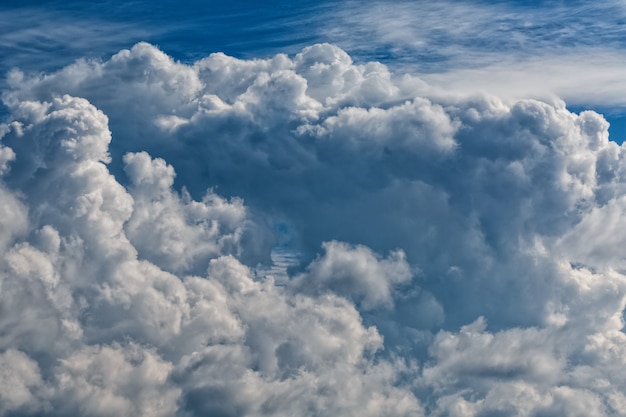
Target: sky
x,y
329,208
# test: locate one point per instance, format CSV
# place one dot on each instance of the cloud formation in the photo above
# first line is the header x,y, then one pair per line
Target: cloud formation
x,y
458,254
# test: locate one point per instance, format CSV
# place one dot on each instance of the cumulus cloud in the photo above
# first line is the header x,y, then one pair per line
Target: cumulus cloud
x,y
356,273
99,323
469,260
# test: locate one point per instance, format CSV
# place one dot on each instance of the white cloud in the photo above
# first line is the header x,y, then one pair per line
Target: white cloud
x,y
112,381
20,377
100,325
515,50
356,273
471,263
585,76
177,233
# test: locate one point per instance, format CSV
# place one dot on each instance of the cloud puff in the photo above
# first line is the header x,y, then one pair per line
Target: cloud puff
x,y
470,263
355,273
565,368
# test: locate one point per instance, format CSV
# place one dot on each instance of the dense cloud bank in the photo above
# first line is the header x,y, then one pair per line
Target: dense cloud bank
x,y
459,256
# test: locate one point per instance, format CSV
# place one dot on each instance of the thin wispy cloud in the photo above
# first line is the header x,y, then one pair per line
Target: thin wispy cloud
x,y
434,36
37,39
571,50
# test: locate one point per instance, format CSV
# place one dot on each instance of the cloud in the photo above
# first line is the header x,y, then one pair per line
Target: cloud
x,y
20,375
355,273
515,50
175,232
100,325
563,368
41,38
469,263
563,74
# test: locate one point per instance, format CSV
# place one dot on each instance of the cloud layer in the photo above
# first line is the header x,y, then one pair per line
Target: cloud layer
x,y
459,256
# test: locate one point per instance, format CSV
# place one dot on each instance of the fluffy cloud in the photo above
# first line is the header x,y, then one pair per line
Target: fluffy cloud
x,y
20,376
128,300
355,272
470,264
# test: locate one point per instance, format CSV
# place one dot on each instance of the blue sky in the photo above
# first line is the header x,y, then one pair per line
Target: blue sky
x,y
315,208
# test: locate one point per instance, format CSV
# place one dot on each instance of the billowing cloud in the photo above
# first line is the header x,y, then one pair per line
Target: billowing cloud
x,y
99,325
457,255
355,272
